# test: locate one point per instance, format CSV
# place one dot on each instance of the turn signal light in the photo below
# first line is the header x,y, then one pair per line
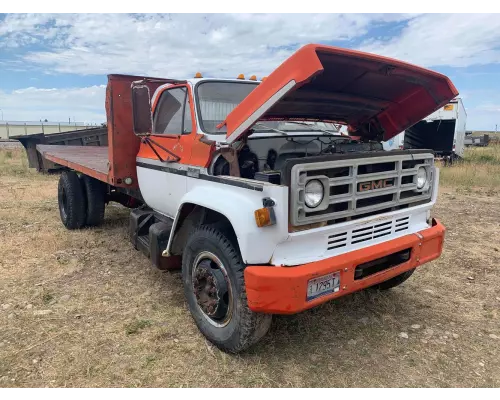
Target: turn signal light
x,y
198,75
265,217
241,76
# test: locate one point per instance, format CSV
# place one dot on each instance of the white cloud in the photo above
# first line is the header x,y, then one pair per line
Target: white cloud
x,y
177,45
224,45
22,29
83,104
180,44
456,40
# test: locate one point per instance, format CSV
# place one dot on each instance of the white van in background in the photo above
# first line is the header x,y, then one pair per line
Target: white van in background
x,y
443,131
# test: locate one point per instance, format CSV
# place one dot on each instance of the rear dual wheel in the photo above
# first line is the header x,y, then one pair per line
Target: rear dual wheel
x,y
95,197
72,207
81,200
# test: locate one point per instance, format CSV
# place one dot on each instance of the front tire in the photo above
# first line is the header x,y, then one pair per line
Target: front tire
x,y
214,286
71,199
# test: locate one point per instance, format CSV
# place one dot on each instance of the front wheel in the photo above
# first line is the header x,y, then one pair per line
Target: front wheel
x,y
214,286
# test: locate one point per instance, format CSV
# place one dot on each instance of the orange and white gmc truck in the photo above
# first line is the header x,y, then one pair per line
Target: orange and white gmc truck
x,y
253,190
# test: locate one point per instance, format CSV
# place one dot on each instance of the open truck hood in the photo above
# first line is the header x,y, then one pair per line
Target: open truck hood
x,y
377,97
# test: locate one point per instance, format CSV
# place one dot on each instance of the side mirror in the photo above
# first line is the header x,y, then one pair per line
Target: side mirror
x,y
141,109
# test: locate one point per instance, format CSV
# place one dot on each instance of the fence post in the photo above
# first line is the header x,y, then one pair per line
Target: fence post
x,y
42,128
7,126
59,127
25,129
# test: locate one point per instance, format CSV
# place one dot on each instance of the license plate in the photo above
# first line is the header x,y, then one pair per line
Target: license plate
x,y
323,285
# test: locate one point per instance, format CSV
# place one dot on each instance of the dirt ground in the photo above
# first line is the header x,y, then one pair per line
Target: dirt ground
x,y
80,309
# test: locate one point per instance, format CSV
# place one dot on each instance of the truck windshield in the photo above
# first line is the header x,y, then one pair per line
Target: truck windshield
x,y
217,99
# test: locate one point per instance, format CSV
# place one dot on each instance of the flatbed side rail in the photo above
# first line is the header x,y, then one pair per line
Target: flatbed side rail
x,y
82,137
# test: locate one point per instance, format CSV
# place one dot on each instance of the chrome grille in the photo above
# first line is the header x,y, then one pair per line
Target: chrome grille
x,y
360,187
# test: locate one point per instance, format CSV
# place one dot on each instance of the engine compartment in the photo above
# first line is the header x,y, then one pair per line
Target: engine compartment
x,y
264,158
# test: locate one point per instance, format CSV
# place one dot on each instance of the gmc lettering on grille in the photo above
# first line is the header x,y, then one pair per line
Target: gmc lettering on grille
x,y
378,184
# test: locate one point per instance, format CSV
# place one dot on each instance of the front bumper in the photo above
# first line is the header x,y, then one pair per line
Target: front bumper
x,y
283,290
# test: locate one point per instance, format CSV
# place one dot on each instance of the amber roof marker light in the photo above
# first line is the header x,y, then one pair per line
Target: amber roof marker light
x,y
198,75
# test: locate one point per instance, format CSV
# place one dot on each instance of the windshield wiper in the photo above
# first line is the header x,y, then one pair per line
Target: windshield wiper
x,y
315,128
271,129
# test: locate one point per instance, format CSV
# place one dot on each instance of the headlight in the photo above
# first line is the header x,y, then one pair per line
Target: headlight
x,y
421,177
314,193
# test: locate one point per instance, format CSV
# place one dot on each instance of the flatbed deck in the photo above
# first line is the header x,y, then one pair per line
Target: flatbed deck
x,y
90,160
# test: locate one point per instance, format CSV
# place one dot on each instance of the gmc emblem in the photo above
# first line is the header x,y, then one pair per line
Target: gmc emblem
x,y
378,184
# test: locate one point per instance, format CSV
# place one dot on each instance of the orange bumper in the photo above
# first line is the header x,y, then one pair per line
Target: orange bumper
x,y
283,290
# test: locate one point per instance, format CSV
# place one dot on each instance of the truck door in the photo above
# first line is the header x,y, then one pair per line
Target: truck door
x,y
165,153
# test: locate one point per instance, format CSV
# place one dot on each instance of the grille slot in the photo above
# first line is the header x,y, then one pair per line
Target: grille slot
x,y
371,201
333,172
339,190
402,224
337,240
376,167
406,180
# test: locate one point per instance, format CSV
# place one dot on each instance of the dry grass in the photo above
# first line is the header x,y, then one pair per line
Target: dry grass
x,y
13,161
85,309
483,155
480,168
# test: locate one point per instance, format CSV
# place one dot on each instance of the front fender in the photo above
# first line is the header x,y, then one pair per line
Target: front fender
x,y
238,206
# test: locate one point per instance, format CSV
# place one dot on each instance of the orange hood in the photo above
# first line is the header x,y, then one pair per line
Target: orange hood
x,y
377,97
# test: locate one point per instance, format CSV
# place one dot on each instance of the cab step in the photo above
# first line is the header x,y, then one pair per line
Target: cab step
x,y
149,232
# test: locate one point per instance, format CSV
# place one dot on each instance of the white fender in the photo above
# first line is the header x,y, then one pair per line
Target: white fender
x,y
238,206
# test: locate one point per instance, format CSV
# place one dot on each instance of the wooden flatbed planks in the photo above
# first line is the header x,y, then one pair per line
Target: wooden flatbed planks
x,y
90,160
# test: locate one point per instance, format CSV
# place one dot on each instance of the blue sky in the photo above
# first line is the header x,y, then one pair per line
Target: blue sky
x,y
55,66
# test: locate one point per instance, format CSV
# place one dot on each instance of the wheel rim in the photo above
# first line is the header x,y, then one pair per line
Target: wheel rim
x,y
212,289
